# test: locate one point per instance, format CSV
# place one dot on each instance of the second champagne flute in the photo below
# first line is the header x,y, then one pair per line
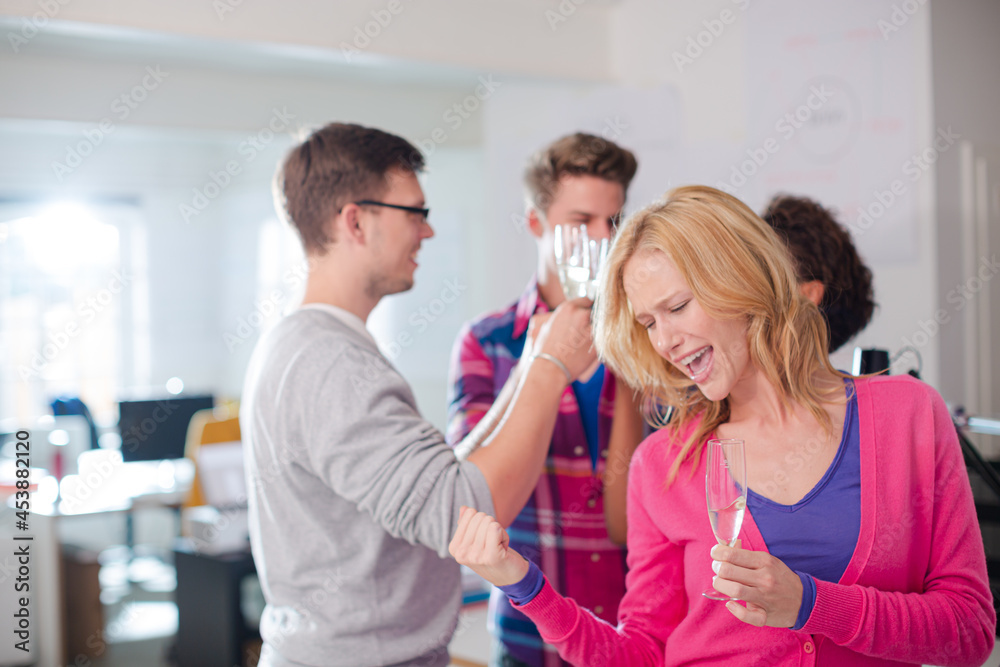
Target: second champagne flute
x,y
726,493
572,251
598,255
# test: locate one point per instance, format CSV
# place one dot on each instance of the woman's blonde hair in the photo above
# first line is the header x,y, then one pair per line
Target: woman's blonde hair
x,y
737,268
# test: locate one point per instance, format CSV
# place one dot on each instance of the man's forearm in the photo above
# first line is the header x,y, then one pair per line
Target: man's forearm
x,y
485,427
512,458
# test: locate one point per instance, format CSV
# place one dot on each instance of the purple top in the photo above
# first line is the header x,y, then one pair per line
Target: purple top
x,y
816,536
525,590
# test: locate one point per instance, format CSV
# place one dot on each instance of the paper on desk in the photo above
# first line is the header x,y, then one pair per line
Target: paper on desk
x,y
220,472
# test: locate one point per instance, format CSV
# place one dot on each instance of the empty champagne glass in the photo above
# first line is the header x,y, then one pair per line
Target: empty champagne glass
x,y
572,250
726,493
579,260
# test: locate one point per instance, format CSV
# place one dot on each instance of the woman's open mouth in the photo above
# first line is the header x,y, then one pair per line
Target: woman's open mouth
x,y
699,364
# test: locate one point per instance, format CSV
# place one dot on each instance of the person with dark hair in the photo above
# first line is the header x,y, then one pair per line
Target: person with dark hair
x,y
573,526
353,496
829,269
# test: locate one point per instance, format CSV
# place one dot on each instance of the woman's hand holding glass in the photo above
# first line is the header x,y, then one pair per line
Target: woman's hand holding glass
x,y
772,591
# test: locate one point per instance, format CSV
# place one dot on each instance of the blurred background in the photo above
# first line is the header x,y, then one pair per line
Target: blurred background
x,y
141,257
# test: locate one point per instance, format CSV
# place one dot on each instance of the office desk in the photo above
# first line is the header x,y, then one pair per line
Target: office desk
x,y
116,490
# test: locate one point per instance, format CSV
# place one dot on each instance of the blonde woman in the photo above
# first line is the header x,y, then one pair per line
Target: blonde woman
x,y
860,545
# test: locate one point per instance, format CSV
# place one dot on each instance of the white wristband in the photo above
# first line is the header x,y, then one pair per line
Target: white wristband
x,y
561,365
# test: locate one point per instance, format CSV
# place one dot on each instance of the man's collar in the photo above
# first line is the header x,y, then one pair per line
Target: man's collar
x,y
345,316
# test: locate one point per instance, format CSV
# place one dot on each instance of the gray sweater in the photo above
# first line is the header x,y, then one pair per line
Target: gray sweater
x,y
353,499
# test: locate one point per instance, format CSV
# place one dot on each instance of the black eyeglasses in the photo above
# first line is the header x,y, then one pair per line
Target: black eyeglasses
x,y
423,212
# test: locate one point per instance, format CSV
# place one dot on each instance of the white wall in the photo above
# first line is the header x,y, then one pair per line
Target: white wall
x,y
720,105
966,96
517,37
228,72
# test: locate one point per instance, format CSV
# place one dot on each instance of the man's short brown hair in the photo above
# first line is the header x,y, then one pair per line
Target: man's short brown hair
x,y
578,154
337,164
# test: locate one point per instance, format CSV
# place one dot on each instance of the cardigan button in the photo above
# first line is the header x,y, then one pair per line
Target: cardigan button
x,y
591,503
808,647
578,450
598,610
595,557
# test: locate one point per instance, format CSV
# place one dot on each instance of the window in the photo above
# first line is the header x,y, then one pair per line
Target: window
x,y
281,273
63,291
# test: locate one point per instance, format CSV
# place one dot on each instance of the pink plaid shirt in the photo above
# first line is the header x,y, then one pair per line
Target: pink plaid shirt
x,y
562,527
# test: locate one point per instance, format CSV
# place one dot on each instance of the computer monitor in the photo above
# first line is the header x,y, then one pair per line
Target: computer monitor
x,y
157,429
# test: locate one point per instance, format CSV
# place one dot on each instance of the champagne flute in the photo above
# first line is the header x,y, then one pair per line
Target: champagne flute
x,y
726,493
572,250
598,255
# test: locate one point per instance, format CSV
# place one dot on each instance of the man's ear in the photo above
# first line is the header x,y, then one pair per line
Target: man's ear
x,y
813,290
348,224
536,224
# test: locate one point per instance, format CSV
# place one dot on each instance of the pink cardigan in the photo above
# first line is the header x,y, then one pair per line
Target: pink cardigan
x,y
915,590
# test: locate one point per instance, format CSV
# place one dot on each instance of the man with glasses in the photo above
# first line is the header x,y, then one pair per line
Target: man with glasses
x,y
353,495
574,524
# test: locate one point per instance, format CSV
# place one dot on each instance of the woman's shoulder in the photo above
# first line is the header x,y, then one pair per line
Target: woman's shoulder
x,y
656,454
897,391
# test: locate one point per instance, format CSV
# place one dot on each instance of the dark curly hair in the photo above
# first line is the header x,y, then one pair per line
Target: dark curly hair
x,y
822,250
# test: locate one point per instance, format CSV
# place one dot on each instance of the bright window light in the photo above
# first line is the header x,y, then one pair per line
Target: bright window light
x,y
67,236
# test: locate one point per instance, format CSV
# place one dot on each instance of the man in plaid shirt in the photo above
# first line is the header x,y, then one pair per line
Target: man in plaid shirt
x,y
573,526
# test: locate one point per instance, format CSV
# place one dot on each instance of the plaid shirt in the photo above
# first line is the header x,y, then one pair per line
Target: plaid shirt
x,y
562,527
